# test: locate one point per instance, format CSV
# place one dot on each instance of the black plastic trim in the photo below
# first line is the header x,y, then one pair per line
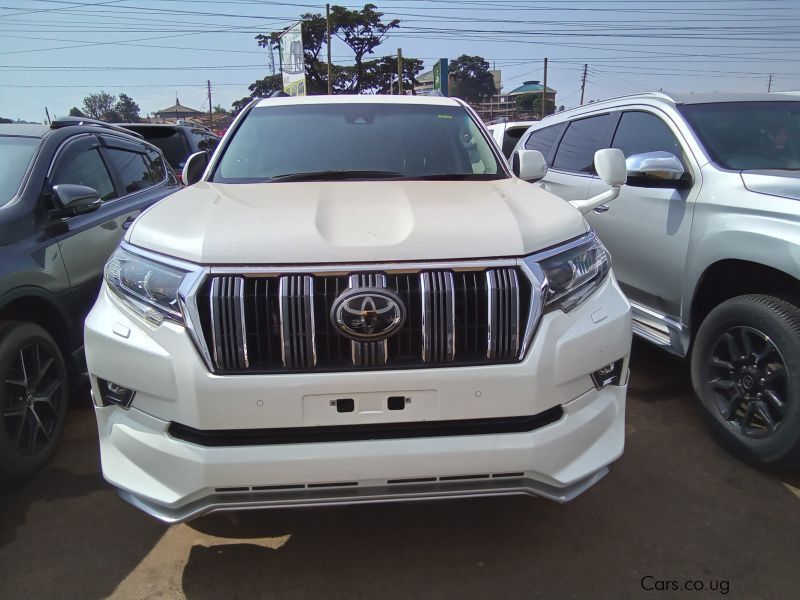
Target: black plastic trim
x,y
353,433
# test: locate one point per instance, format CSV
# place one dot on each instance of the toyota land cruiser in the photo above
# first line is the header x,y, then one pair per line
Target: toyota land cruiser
x,y
705,242
358,302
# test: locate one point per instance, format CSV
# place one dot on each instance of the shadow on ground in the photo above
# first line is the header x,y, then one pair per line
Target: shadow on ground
x,y
676,506
64,533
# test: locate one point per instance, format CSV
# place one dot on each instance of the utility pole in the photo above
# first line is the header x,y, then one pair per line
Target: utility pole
x,y
769,84
544,89
210,117
271,60
400,71
583,82
328,30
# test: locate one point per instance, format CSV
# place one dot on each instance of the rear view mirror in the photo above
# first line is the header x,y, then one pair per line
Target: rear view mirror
x,y
529,165
655,169
75,200
194,168
609,164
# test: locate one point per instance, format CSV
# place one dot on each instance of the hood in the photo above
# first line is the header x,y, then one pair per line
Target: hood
x,y
355,221
785,184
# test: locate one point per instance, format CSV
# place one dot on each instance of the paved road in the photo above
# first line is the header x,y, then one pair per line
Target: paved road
x,y
675,508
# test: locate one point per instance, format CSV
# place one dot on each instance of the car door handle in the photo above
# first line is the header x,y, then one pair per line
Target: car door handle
x,y
601,209
128,222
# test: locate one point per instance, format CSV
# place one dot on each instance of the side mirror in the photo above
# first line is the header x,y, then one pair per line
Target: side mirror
x,y
655,169
610,166
75,200
194,168
529,165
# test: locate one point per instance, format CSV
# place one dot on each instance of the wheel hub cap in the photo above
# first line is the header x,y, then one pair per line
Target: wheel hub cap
x,y
749,382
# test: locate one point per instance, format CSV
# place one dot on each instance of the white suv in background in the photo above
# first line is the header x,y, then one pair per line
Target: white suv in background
x,y
358,302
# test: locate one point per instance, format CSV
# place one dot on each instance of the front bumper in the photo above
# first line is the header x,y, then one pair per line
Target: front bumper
x,y
176,480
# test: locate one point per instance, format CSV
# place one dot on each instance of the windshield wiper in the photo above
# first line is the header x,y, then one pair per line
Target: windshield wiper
x,y
335,175
457,176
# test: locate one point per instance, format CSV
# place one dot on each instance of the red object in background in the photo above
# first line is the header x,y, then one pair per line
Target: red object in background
x,y
220,132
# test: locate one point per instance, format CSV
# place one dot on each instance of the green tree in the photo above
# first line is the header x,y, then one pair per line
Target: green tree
x,y
76,112
380,75
100,106
126,110
471,77
533,103
259,89
362,31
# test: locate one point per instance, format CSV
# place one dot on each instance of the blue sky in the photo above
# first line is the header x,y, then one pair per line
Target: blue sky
x,y
55,52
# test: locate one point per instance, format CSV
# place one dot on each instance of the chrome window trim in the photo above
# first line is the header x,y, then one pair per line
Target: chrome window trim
x,y
196,275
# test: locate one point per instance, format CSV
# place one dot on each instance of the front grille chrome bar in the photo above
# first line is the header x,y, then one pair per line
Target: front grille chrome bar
x,y
296,310
368,354
503,313
228,326
438,316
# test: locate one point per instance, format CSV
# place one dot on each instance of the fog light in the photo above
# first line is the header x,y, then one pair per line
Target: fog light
x,y
611,374
112,393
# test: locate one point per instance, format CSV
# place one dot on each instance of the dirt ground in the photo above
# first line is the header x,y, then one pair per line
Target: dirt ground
x,y
677,517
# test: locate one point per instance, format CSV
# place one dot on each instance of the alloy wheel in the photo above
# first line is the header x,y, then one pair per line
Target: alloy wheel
x,y
34,402
749,381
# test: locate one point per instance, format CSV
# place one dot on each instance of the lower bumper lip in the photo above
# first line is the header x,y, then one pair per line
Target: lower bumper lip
x,y
338,495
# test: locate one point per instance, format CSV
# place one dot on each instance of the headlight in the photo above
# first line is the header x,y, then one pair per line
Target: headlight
x,y
148,287
574,274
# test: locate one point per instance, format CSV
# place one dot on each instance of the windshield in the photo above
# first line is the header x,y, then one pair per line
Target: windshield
x,y
357,141
15,156
748,135
170,141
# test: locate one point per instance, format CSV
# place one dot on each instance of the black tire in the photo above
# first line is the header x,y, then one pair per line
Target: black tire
x,y
746,374
33,398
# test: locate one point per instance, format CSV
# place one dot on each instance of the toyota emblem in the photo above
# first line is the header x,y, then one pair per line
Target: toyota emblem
x,y
368,314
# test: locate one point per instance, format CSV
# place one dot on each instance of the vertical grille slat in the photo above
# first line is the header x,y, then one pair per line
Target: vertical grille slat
x,y
282,323
503,296
296,321
439,316
228,322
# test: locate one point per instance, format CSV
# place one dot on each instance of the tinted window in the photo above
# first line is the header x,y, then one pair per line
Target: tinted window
x,y
748,135
156,164
204,141
511,138
15,156
640,132
397,140
543,139
170,141
582,139
85,168
131,168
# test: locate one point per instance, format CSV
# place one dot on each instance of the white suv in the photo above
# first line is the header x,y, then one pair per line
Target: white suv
x,y
358,302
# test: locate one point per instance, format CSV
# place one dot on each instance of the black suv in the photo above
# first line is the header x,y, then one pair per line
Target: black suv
x,y
177,142
68,192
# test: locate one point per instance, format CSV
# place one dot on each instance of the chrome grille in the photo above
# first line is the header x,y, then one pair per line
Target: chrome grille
x,y
503,288
228,322
296,318
281,323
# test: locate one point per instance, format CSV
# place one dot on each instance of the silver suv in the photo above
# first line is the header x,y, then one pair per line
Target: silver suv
x,y
705,239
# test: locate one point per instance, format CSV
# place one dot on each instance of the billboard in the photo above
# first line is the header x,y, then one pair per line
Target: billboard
x,y
441,76
293,68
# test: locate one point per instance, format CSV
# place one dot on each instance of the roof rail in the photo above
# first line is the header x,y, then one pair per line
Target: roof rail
x,y
72,121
